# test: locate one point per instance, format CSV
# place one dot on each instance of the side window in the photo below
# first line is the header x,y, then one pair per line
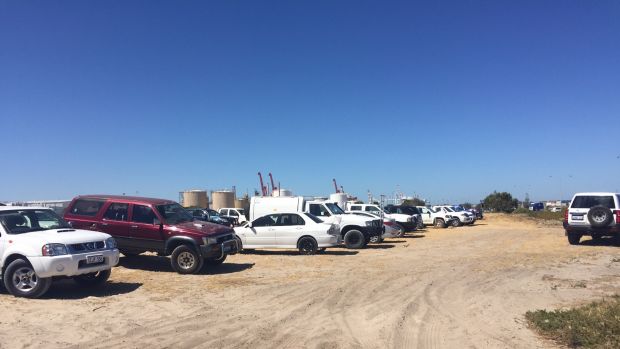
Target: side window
x,y
233,213
144,214
83,207
266,221
195,213
319,210
297,220
224,212
356,208
371,209
117,212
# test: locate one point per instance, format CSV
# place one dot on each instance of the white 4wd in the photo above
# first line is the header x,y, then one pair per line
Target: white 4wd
x,y
36,245
406,221
594,214
439,218
460,218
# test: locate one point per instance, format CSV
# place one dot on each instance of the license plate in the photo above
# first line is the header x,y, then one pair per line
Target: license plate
x,y
577,218
228,248
94,259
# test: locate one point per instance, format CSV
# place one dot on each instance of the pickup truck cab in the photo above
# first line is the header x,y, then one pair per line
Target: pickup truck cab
x,y
438,219
157,225
356,231
235,215
302,231
36,245
408,222
459,218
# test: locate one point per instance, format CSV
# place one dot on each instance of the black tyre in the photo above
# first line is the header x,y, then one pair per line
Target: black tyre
x,y
354,239
185,260
600,216
573,239
420,224
214,262
439,223
21,280
401,231
456,222
239,244
307,245
93,279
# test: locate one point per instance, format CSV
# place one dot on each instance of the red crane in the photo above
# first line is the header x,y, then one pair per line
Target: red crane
x,y
336,186
273,186
262,185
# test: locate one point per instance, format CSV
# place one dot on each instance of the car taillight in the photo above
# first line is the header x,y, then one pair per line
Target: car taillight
x,y
389,224
566,215
617,212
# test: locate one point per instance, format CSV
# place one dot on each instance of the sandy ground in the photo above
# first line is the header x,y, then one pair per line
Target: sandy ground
x,y
465,287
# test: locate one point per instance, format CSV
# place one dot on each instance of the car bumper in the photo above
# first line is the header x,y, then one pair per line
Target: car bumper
x,y
327,241
588,230
466,220
219,250
409,226
73,264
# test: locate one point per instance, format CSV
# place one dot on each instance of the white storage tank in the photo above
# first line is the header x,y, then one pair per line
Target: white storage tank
x,y
195,198
243,202
340,199
282,192
222,198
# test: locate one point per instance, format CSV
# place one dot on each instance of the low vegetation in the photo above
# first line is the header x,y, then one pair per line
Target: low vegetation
x,y
595,325
544,215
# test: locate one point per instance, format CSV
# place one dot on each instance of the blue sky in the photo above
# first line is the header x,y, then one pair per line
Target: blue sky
x,y
447,99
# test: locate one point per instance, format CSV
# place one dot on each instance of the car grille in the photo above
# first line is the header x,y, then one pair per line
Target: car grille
x,y
224,238
87,247
377,223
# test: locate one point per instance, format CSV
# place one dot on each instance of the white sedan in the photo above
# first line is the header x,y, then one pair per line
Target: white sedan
x,y
302,231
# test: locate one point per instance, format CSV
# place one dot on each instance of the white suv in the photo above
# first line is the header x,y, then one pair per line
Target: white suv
x,y
594,214
460,218
36,245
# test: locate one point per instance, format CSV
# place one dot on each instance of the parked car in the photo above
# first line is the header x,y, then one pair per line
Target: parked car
x,y
356,231
408,210
555,209
438,219
235,215
207,215
537,206
36,245
594,214
459,209
459,218
407,221
390,225
302,231
156,225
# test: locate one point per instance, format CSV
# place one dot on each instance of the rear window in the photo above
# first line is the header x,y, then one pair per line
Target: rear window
x,y
589,201
85,207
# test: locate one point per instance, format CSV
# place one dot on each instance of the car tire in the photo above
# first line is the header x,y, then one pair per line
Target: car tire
x,y
375,239
439,223
600,216
186,260
401,231
354,239
456,222
239,244
214,262
573,239
93,279
21,280
307,245
420,225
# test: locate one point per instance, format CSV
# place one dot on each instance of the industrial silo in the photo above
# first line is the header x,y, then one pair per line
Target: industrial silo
x,y
195,198
282,192
243,202
222,198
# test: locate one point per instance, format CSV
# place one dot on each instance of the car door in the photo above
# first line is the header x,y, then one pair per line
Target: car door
x,y
426,215
262,233
289,228
146,230
115,221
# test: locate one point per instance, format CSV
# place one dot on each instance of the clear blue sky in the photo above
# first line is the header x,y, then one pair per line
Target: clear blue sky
x,y
448,99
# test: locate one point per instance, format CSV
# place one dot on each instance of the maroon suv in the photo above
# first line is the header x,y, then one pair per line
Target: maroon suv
x,y
157,225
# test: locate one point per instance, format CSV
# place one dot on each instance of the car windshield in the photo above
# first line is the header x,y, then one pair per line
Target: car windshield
x,y
213,213
313,217
409,210
26,221
174,213
334,208
449,209
458,208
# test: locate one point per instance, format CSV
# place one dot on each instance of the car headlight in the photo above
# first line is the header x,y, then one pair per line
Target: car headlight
x,y
54,249
209,241
369,223
110,243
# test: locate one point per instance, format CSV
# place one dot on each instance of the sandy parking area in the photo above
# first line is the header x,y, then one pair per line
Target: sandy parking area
x,y
452,288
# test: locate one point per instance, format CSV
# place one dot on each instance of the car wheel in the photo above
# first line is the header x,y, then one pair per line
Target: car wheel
x,y
374,239
573,239
307,245
456,223
400,231
600,216
239,244
439,223
354,239
214,262
21,280
185,260
420,225
93,279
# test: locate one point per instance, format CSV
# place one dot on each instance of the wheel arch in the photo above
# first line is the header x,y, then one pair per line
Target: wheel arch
x,y
177,241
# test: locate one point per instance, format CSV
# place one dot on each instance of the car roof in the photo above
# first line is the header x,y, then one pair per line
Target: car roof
x,y
596,194
129,199
13,208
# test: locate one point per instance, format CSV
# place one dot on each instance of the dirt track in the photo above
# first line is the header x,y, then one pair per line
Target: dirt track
x,y
451,288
